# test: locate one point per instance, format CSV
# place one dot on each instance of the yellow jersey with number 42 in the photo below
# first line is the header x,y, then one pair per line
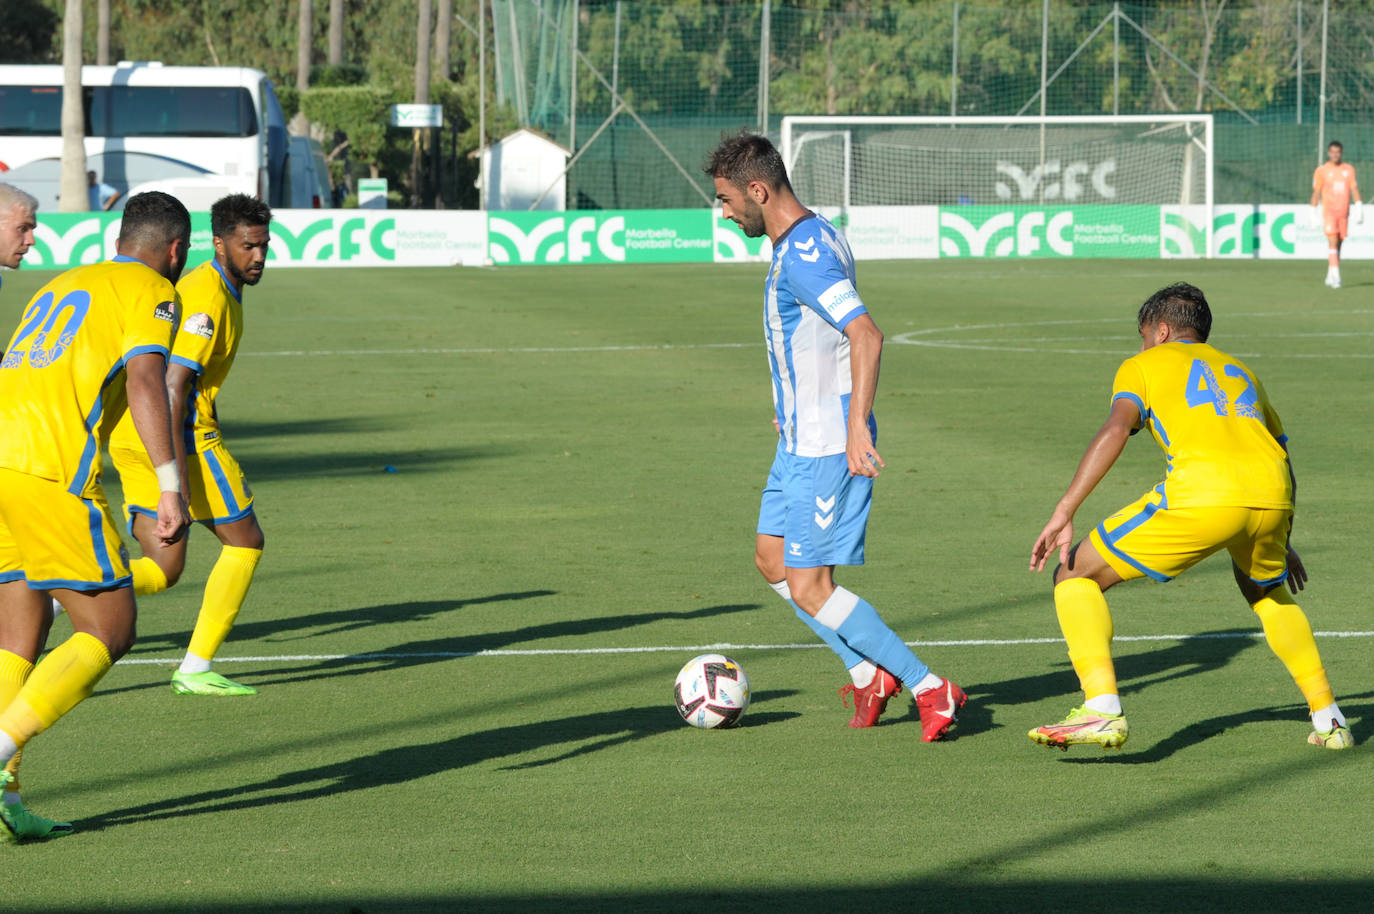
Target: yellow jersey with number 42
x,y
62,376
1222,440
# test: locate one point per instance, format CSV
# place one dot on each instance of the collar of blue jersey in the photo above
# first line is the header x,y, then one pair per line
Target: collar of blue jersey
x,y
238,296
788,230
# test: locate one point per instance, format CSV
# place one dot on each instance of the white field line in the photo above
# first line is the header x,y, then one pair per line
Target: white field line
x,y
498,350
697,648
930,337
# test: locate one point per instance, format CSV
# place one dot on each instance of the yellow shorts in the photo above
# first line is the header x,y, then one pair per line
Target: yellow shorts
x,y
219,493
51,538
1146,540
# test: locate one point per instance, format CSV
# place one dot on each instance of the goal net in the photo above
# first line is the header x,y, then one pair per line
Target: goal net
x,y
1029,161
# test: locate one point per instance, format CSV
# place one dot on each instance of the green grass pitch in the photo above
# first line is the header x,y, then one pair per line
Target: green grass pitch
x,y
577,454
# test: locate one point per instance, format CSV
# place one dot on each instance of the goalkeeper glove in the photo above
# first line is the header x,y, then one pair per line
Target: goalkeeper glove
x,y
1357,213
1314,216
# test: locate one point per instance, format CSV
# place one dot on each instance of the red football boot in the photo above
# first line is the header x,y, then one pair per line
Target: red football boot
x,y
871,701
939,707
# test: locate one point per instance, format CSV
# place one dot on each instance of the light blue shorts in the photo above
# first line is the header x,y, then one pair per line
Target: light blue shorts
x,y
819,510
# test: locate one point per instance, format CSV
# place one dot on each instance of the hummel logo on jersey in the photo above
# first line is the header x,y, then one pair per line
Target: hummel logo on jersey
x,y
809,252
795,547
824,520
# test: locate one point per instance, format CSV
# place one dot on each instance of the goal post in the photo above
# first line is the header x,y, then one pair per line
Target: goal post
x,y
949,161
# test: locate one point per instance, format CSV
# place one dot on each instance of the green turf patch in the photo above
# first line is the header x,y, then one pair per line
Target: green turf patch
x,y
503,507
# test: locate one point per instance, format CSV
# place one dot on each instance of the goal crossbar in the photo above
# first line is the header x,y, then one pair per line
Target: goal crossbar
x,y
1192,164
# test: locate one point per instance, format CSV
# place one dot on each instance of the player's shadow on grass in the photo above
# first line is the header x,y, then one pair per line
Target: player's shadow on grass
x,y
246,430
279,465
566,738
443,649
1197,654
415,653
1207,728
339,621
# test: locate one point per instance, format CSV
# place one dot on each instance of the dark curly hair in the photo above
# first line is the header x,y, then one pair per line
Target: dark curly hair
x,y
746,157
228,213
1182,306
155,219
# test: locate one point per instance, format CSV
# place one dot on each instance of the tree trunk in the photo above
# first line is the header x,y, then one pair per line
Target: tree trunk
x,y
423,38
443,20
304,35
336,24
423,32
102,35
74,196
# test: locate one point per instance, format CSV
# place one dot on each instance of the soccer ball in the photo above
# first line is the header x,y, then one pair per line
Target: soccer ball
x,y
711,692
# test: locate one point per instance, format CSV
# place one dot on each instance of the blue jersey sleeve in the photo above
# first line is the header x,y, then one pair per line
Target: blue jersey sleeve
x,y
819,280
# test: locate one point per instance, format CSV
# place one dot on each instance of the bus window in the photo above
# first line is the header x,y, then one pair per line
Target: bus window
x,y
132,111
30,111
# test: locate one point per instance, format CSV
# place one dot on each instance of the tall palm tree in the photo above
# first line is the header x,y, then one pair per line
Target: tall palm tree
x,y
336,25
304,41
74,197
423,38
102,34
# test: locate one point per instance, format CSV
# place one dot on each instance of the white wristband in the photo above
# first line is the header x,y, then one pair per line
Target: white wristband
x,y
168,479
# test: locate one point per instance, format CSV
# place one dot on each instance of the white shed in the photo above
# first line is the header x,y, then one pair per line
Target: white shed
x,y
520,167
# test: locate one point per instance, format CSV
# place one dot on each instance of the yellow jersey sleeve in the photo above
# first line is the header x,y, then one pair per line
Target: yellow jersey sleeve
x,y
1129,384
204,309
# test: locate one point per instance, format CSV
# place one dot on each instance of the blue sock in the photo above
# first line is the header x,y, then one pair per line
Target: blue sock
x,y
862,629
848,656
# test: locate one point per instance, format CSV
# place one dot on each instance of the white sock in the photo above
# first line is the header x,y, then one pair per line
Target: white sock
x,y
928,681
8,747
1327,718
863,674
1104,704
781,588
194,664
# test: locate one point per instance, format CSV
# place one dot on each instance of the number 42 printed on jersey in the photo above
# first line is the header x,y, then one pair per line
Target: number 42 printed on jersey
x,y
1204,390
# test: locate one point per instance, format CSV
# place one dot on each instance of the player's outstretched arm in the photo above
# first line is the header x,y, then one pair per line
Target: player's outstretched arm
x,y
865,355
145,382
1102,453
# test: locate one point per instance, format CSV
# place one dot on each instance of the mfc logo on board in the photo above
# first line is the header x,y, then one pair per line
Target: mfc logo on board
x,y
1068,182
556,240
988,232
1237,231
332,238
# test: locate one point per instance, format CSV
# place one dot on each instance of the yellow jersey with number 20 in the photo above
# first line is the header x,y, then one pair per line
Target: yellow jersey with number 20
x,y
62,375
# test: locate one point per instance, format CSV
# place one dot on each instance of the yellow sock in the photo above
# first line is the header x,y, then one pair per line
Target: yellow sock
x,y
1290,637
225,591
14,671
57,684
1087,626
148,576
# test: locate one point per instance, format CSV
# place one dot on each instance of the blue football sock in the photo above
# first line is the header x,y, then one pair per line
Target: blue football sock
x,y
863,630
850,657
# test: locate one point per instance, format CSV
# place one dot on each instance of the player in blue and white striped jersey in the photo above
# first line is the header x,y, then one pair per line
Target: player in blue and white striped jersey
x,y
823,349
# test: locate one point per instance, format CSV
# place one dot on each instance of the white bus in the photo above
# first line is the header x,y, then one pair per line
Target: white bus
x,y
195,132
